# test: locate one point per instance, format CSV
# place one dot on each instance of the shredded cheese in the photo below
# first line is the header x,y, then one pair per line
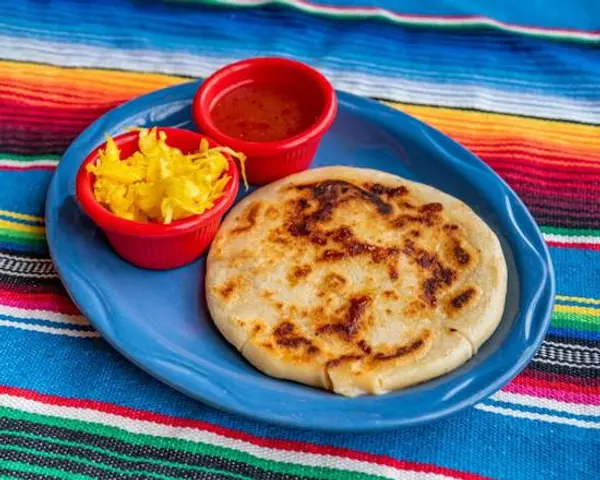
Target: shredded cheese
x,y
159,183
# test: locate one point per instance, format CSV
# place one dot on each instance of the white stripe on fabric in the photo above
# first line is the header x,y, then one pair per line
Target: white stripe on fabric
x,y
546,403
28,164
203,436
50,330
394,88
47,315
552,237
538,416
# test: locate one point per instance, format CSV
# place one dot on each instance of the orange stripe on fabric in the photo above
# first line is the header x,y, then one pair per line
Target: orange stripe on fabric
x,y
494,125
84,78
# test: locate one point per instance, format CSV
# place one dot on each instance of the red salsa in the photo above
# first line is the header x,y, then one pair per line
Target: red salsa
x,y
261,113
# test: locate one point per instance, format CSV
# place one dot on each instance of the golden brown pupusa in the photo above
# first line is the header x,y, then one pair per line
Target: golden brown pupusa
x,y
355,280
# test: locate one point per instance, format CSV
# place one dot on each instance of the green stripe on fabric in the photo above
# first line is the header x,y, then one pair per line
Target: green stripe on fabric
x,y
180,466
28,158
576,322
108,468
325,473
571,232
22,237
28,468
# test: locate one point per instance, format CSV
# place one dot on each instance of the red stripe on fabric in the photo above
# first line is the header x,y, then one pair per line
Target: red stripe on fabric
x,y
535,153
582,246
554,394
556,389
263,442
547,379
28,167
12,109
47,301
569,172
541,379
528,141
33,116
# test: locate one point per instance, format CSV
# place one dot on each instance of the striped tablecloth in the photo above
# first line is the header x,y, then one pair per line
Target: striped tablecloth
x,y
516,82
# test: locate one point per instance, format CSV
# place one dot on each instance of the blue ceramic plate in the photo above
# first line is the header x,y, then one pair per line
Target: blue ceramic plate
x,y
159,320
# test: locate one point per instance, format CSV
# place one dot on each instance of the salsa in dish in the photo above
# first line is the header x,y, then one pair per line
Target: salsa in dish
x,y
262,113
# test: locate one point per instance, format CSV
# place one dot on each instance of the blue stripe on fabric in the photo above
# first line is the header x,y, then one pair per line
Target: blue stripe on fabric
x,y
576,14
577,271
517,64
47,323
570,303
41,248
24,191
469,441
572,333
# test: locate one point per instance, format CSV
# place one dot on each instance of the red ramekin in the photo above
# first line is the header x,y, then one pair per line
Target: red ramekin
x,y
269,161
154,245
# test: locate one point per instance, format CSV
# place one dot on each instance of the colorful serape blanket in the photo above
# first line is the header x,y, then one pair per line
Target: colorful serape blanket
x,y
518,83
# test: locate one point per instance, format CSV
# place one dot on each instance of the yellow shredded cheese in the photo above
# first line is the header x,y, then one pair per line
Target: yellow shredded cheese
x,y
159,183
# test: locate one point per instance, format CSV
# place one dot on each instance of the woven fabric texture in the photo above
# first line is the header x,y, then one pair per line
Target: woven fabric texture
x,y
523,96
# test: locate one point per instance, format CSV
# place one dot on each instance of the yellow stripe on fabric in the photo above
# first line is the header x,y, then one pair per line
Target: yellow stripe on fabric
x,y
587,311
470,123
566,298
19,227
21,216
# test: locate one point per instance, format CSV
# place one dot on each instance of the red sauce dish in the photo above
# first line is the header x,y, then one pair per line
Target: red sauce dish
x,y
154,245
274,110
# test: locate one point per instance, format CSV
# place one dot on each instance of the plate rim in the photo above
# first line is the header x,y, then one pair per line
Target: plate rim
x,y
541,309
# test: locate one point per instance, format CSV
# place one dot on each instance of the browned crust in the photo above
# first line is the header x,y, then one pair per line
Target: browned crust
x,y
229,288
350,324
402,351
463,298
460,301
371,356
250,219
298,273
287,335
